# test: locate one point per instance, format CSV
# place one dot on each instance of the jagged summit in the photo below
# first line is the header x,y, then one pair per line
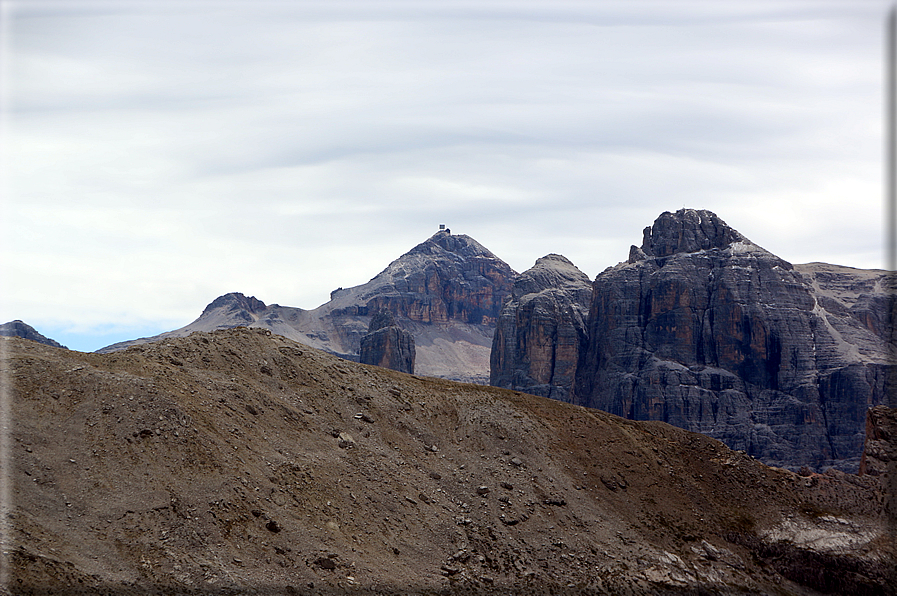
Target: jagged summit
x,y
445,278
236,301
459,244
442,251
686,231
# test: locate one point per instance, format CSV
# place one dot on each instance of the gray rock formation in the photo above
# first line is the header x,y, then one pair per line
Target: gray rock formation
x,y
18,328
240,307
542,326
447,292
387,344
705,330
446,278
880,450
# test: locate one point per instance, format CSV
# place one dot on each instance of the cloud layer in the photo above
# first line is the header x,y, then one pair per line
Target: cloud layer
x,y
157,155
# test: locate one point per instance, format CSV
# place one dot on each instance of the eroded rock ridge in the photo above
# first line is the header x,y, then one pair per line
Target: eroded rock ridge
x,y
21,329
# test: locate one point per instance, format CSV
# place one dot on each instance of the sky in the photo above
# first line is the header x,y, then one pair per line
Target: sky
x,y
156,155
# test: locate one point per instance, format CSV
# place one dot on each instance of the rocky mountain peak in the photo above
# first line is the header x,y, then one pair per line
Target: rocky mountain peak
x,y
447,292
236,301
444,241
686,231
705,330
21,329
552,271
446,277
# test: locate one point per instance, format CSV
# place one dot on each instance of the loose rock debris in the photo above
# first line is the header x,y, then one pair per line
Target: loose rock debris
x,y
133,474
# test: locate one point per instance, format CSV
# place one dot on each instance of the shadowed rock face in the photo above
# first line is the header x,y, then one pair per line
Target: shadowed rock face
x,y
880,450
880,457
542,326
705,330
387,345
687,230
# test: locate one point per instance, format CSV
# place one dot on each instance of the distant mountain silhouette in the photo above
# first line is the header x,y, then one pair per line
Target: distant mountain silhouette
x,y
18,328
447,292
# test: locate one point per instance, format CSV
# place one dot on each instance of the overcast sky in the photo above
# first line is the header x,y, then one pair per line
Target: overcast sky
x,y
156,155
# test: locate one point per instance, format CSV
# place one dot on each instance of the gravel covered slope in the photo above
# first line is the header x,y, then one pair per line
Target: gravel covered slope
x,y
241,462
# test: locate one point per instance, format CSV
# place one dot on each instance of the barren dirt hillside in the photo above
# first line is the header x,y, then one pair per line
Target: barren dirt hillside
x,y
241,462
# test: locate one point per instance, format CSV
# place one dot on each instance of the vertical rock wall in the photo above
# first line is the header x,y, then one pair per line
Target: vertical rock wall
x,y
387,345
705,330
541,329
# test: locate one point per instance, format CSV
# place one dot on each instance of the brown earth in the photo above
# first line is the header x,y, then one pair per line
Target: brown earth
x,y
242,462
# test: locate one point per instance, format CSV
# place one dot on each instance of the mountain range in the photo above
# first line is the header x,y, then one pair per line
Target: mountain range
x,y
233,456
699,327
447,292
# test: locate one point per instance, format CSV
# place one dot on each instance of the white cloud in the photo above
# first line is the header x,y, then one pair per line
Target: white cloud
x,y
156,155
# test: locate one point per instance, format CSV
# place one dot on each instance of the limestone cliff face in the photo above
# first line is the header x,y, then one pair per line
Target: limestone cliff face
x,y
707,331
387,345
541,328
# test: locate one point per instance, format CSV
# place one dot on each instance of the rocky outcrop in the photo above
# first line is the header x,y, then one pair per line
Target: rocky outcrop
x,y
880,458
224,312
880,450
541,328
18,328
387,344
447,292
705,330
